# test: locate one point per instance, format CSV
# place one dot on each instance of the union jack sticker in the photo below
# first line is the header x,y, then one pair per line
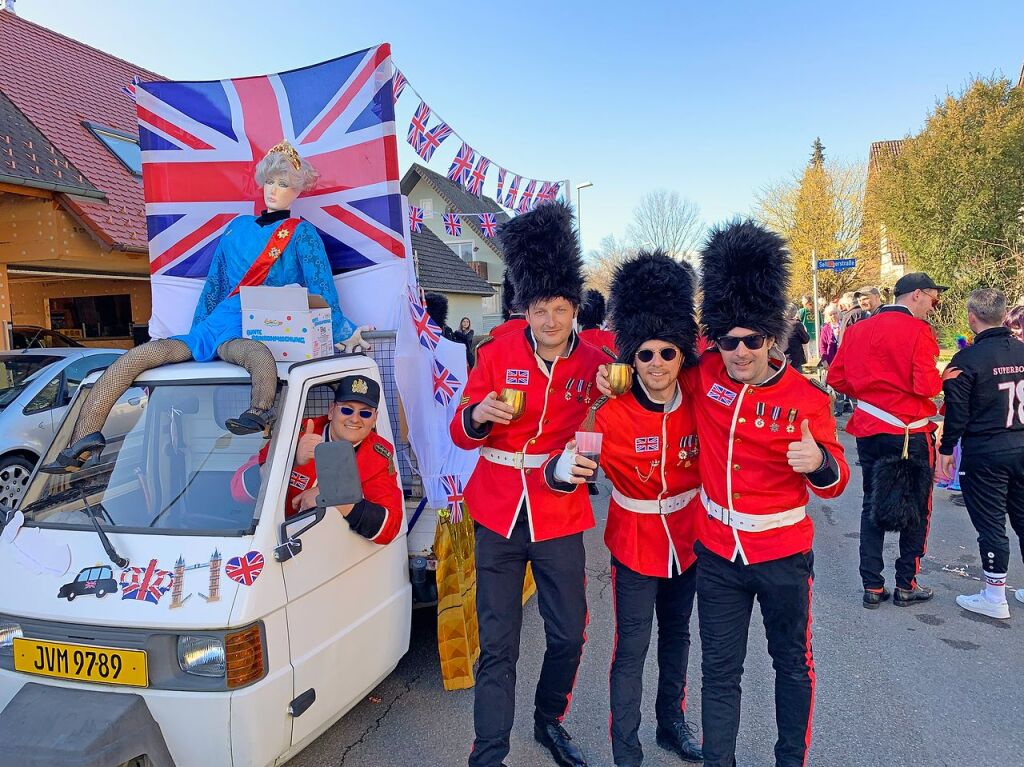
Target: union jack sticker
x,y
647,444
298,480
517,377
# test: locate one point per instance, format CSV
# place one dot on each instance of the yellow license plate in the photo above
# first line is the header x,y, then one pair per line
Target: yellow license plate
x,y
82,663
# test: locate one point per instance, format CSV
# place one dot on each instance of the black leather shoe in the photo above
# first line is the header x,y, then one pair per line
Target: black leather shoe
x,y
251,422
73,457
554,737
872,599
907,597
681,740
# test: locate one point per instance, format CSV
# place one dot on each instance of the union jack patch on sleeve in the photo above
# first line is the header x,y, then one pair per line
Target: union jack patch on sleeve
x,y
517,377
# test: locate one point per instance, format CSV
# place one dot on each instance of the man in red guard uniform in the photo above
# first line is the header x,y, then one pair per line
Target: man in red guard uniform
x,y
380,515
649,454
522,513
887,363
767,435
591,322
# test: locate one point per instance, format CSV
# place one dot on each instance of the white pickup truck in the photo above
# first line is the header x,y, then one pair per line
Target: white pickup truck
x,y
229,637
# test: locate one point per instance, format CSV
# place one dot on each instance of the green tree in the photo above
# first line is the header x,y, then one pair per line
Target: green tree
x,y
953,195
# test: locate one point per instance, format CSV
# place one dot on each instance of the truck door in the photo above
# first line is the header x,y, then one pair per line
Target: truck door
x,y
349,600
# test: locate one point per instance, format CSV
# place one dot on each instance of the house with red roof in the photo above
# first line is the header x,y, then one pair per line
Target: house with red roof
x,y
73,245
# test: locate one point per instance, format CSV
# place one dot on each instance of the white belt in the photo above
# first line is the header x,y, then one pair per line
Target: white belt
x,y
892,420
656,506
515,460
752,523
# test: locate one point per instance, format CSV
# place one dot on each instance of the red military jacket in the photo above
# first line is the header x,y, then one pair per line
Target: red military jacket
x,y
649,452
600,339
378,517
888,361
744,435
556,403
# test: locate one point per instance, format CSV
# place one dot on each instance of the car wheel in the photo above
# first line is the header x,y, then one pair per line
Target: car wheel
x,y
71,596
100,593
14,474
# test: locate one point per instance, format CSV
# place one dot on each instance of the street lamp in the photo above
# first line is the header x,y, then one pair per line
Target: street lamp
x,y
579,217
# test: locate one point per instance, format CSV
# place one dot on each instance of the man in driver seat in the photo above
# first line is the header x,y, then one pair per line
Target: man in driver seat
x,y
352,417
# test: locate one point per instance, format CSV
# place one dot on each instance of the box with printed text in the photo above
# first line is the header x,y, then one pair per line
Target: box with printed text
x,y
293,322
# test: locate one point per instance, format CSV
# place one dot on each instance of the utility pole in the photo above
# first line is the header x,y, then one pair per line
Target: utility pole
x,y
814,274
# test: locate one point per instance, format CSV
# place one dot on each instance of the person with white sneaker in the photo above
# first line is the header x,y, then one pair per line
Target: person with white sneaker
x,y
984,393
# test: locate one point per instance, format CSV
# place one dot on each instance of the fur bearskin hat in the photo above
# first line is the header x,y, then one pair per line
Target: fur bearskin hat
x,y
652,299
744,276
592,309
508,298
437,307
542,255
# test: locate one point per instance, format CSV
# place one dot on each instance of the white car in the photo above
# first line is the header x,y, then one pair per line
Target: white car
x,y
36,386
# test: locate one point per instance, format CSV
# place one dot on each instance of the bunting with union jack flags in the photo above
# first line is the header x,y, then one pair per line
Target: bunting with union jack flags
x,y
488,225
452,224
501,184
513,190
415,219
418,125
462,165
398,83
432,140
526,200
201,142
478,176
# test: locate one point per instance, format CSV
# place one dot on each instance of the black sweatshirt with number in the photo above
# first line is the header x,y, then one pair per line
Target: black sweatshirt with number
x,y
984,390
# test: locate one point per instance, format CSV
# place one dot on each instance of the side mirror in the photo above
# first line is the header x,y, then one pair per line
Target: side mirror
x,y
337,474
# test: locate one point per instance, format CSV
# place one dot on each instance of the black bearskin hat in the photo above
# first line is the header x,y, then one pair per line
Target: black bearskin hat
x,y
437,307
652,299
508,298
592,309
542,255
744,276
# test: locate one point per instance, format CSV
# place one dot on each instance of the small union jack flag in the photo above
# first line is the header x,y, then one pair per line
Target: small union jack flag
x,y
513,190
647,444
501,183
526,201
488,225
478,176
129,90
432,140
245,569
462,165
398,83
415,219
548,192
418,125
719,393
452,224
145,584
445,384
453,492
428,331
517,377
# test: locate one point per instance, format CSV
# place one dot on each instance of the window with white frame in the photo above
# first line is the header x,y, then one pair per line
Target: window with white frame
x,y
492,304
463,249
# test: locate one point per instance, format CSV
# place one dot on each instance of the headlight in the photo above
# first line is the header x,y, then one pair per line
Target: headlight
x,y
202,656
9,631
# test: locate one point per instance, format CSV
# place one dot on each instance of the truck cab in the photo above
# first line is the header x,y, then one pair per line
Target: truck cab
x,y
240,634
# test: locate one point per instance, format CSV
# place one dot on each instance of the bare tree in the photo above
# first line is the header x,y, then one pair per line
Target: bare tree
x,y
602,263
665,220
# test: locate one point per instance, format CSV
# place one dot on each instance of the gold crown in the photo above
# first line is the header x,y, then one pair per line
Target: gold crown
x,y
359,386
289,151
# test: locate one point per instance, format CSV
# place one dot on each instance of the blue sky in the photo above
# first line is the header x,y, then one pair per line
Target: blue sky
x,y
713,99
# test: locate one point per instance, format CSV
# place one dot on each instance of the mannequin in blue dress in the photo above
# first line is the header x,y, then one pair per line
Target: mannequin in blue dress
x,y
217,325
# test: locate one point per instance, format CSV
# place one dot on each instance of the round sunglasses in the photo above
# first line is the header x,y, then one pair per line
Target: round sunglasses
x,y
730,343
668,354
345,410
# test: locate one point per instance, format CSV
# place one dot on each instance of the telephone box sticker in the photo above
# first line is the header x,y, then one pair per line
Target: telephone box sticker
x,y
178,597
145,584
245,569
97,581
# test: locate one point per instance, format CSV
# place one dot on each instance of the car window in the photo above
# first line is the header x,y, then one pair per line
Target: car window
x,y
46,398
79,369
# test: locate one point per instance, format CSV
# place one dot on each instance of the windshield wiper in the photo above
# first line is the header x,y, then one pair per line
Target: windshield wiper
x,y
81,493
108,547
64,495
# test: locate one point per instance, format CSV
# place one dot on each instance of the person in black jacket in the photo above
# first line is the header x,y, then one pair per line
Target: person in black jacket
x,y
796,344
984,392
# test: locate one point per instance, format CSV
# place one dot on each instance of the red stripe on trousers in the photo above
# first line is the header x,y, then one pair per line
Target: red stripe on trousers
x,y
809,655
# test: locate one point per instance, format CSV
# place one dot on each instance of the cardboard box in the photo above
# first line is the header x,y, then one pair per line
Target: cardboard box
x,y
295,324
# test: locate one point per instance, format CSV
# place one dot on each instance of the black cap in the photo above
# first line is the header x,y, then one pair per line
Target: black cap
x,y
908,283
358,389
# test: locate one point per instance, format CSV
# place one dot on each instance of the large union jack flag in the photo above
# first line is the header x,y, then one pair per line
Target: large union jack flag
x,y
445,383
201,142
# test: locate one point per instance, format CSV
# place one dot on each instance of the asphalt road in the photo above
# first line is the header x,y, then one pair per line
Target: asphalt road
x,y
926,686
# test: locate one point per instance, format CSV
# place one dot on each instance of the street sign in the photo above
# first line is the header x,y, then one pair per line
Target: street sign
x,y
837,264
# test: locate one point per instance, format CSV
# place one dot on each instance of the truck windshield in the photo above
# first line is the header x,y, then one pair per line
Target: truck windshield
x,y
167,467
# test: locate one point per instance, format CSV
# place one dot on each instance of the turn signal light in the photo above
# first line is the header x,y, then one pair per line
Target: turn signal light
x,y
243,652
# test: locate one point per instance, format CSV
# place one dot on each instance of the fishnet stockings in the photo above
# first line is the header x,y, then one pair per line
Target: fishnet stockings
x,y
258,360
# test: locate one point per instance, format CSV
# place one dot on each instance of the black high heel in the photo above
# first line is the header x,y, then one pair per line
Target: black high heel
x,y
73,457
251,422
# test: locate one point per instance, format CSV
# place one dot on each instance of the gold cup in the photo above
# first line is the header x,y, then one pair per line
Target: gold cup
x,y
620,377
514,398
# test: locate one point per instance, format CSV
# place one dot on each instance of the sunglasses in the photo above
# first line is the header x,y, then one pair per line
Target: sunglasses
x,y
345,410
668,354
731,343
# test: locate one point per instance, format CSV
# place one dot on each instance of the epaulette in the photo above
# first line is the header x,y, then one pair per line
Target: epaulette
x,y
379,448
609,352
591,418
819,386
484,342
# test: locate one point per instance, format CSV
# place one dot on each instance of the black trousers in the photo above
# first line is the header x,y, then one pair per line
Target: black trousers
x,y
559,571
725,599
913,543
636,599
993,487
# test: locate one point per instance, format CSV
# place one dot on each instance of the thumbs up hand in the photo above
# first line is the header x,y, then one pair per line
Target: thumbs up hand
x,y
805,456
307,443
